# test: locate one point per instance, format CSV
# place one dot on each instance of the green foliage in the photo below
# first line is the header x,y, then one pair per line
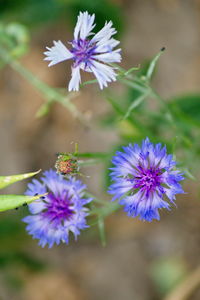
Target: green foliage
x,y
14,37
14,201
186,108
35,12
32,12
20,258
8,180
152,65
14,258
138,111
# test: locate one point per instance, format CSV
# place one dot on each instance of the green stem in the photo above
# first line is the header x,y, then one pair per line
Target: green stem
x,y
135,122
134,85
49,93
89,162
136,103
166,106
171,119
105,211
97,200
94,155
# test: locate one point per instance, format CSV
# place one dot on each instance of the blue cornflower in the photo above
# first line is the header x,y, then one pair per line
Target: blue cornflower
x,y
144,178
88,54
62,210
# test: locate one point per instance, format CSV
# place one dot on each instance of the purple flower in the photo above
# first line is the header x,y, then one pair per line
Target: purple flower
x,y
88,54
61,211
143,179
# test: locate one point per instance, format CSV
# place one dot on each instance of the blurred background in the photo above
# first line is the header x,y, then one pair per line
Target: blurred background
x,y
142,261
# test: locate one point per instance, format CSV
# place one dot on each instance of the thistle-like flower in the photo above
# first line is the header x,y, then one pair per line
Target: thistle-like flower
x,y
143,179
67,164
89,54
62,210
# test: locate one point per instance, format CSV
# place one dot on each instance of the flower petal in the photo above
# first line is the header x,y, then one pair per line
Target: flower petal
x,y
103,73
144,180
109,57
75,80
84,25
48,221
106,45
57,53
36,207
106,32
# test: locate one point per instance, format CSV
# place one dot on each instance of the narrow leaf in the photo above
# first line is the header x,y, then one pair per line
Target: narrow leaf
x,y
8,180
135,104
153,64
115,106
188,174
122,71
14,201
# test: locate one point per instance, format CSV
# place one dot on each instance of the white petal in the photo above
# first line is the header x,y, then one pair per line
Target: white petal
x,y
57,53
103,73
84,25
75,80
109,57
106,32
106,45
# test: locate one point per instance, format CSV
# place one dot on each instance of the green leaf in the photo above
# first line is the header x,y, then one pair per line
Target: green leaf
x,y
115,106
8,180
129,71
135,104
139,78
123,72
187,108
188,174
153,64
13,201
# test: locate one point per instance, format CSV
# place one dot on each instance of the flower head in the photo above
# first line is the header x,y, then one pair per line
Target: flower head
x,y
144,178
89,54
59,212
67,164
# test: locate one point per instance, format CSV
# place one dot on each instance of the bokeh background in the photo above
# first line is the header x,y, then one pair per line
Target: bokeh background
x,y
142,261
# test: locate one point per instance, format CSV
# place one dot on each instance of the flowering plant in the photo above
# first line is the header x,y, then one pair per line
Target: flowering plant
x,y
144,179
89,55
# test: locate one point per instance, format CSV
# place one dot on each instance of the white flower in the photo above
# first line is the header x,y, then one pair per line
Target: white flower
x,y
88,54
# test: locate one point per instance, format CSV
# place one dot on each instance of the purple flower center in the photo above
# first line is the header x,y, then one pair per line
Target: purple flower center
x,y
148,179
58,208
82,50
